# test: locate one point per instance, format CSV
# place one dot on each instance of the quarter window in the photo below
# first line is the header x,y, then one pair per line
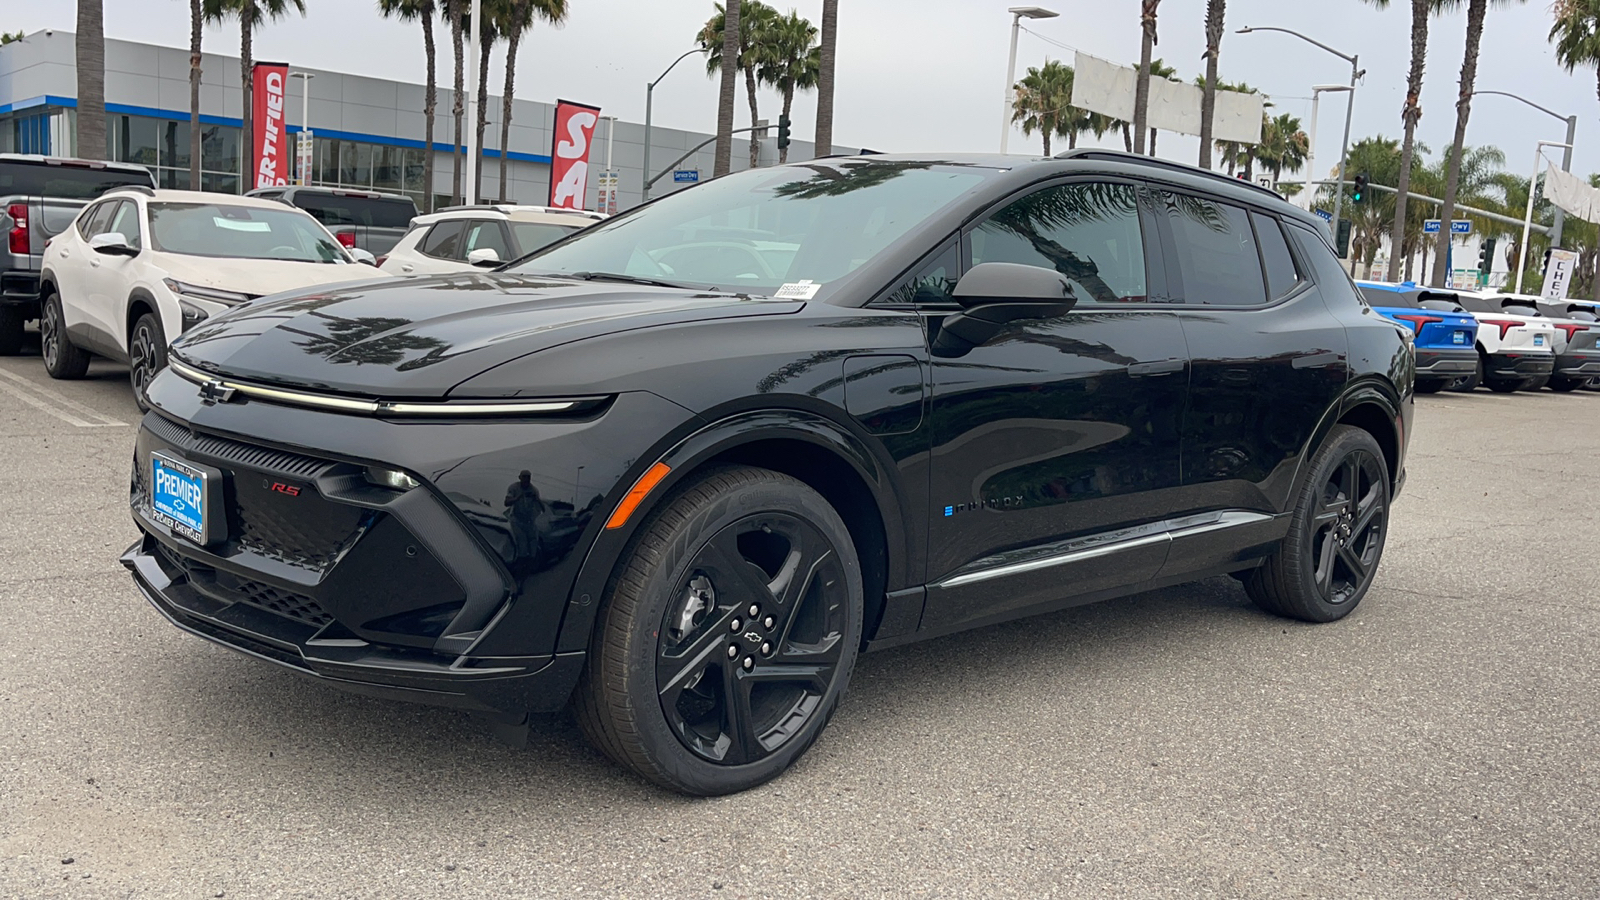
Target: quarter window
x,y
443,241
1087,232
932,282
1216,251
1282,276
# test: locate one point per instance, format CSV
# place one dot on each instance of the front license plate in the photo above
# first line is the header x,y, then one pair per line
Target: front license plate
x,y
178,497
1538,340
1459,337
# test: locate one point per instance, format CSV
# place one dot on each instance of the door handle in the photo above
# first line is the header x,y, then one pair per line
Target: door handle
x,y
1152,369
406,267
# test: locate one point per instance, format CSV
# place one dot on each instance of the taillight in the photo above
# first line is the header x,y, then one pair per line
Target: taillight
x,y
1504,325
347,238
1572,330
381,260
17,238
1418,321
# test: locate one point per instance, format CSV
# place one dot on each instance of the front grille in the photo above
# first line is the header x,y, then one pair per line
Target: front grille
x,y
224,449
305,531
285,603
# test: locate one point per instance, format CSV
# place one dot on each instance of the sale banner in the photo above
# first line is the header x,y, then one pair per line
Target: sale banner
x,y
271,138
569,153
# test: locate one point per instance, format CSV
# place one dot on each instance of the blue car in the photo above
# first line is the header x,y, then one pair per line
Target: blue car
x,y
1444,333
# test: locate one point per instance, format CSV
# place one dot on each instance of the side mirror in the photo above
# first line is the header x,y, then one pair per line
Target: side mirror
x,y
484,258
112,244
362,256
993,295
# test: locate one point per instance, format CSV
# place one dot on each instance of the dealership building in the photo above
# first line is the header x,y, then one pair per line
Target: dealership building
x,y
368,132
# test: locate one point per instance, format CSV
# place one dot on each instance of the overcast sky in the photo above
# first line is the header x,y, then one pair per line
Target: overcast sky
x,y
929,74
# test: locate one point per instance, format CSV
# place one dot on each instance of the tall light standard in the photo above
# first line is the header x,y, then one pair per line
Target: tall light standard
x,y
469,187
649,95
1317,90
1566,157
302,146
1349,109
1527,221
1018,13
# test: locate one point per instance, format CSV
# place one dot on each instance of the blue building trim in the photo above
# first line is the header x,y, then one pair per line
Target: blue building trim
x,y
153,113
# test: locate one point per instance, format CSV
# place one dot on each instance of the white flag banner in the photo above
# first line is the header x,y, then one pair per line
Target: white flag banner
x,y
1558,274
1104,87
1572,194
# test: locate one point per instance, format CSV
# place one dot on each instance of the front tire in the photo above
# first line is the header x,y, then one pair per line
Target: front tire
x,y
62,359
1335,541
688,687
147,356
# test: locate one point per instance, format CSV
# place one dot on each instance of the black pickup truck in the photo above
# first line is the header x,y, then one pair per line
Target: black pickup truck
x,y
361,220
39,198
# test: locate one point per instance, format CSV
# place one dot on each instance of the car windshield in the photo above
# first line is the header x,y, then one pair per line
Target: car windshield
x,y
240,232
533,235
66,181
796,227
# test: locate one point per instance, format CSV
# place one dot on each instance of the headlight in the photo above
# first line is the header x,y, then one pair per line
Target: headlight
x,y
192,315
391,478
226,298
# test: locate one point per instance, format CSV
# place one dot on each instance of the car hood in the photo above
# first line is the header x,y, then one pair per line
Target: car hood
x,y
420,337
259,277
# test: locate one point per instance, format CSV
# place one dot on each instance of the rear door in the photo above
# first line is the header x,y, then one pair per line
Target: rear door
x,y
439,251
1055,443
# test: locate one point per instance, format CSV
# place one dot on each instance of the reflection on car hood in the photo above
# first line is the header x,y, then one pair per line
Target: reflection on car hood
x,y
259,277
419,337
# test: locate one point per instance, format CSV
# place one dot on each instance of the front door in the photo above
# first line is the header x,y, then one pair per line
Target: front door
x,y
1055,442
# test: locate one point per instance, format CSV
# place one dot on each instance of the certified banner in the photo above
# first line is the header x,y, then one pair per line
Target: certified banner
x,y
271,138
1558,274
569,153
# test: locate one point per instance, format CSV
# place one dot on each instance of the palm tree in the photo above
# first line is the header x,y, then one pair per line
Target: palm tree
x,y
1576,34
422,11
197,25
756,19
91,51
723,160
1477,10
1043,103
252,14
790,61
1283,145
825,61
492,11
1141,85
1159,69
518,20
456,12
1216,11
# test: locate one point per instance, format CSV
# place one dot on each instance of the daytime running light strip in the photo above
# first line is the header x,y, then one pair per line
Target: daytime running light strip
x,y
377,407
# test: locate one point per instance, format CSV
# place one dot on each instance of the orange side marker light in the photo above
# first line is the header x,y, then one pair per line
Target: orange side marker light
x,y
636,495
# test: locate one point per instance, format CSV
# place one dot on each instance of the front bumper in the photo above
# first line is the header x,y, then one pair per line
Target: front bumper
x,y
1520,364
1446,362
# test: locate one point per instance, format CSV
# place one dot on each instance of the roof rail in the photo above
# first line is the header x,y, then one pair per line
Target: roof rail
x,y
1138,160
136,188
520,207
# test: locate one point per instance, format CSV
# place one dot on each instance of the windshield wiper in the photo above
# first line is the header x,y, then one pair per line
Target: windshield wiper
x,y
632,279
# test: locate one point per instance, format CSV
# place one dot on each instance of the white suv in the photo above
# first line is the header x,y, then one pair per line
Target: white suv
x,y
461,238
1516,345
140,267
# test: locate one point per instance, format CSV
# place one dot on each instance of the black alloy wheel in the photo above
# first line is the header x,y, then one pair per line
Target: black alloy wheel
x,y
62,358
1330,556
147,356
729,637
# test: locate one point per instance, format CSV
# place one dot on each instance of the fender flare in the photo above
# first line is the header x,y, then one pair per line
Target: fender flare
x,y
1365,390
686,455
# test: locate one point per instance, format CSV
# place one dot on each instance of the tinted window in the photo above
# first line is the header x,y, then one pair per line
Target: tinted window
x,y
1216,251
66,182
338,209
1331,278
1282,276
125,221
533,235
487,236
443,241
1381,297
1087,232
932,281
241,232
93,221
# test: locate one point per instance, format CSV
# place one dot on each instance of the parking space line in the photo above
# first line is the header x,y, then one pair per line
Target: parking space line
x,y
56,404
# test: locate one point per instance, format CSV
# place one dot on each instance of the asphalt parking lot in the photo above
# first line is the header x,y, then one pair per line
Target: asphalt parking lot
x,y
1440,742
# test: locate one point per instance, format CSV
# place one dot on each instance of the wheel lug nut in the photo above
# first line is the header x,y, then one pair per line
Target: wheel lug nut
x,y
733,651
766,648
735,625
768,622
755,610
749,663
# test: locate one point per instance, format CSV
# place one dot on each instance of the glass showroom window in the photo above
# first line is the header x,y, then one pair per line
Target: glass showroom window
x,y
162,145
370,167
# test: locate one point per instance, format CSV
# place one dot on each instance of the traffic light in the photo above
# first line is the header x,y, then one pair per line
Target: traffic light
x,y
1342,238
1486,255
783,132
1360,192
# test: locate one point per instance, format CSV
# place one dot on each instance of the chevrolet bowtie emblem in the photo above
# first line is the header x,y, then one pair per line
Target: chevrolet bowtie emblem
x,y
214,391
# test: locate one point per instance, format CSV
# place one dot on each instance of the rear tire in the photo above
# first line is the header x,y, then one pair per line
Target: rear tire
x,y
147,356
1431,386
684,684
11,320
1562,384
1505,385
1470,383
62,358
1330,556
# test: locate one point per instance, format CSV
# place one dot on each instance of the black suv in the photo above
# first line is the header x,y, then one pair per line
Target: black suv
x,y
359,220
641,473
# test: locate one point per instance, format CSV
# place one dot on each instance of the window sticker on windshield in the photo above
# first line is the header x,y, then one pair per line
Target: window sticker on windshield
x,y
236,225
800,290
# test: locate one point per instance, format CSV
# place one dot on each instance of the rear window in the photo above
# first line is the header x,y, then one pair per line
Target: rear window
x,y
64,181
1380,297
334,210
1216,250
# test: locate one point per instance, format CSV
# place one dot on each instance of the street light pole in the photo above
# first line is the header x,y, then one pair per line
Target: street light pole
x,y
1349,109
1566,157
1527,221
303,157
470,190
1317,90
1018,13
649,95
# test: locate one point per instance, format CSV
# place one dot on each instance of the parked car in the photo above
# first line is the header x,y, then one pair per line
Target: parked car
x,y
1577,334
1444,333
461,238
985,387
39,197
360,220
141,266
1519,344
